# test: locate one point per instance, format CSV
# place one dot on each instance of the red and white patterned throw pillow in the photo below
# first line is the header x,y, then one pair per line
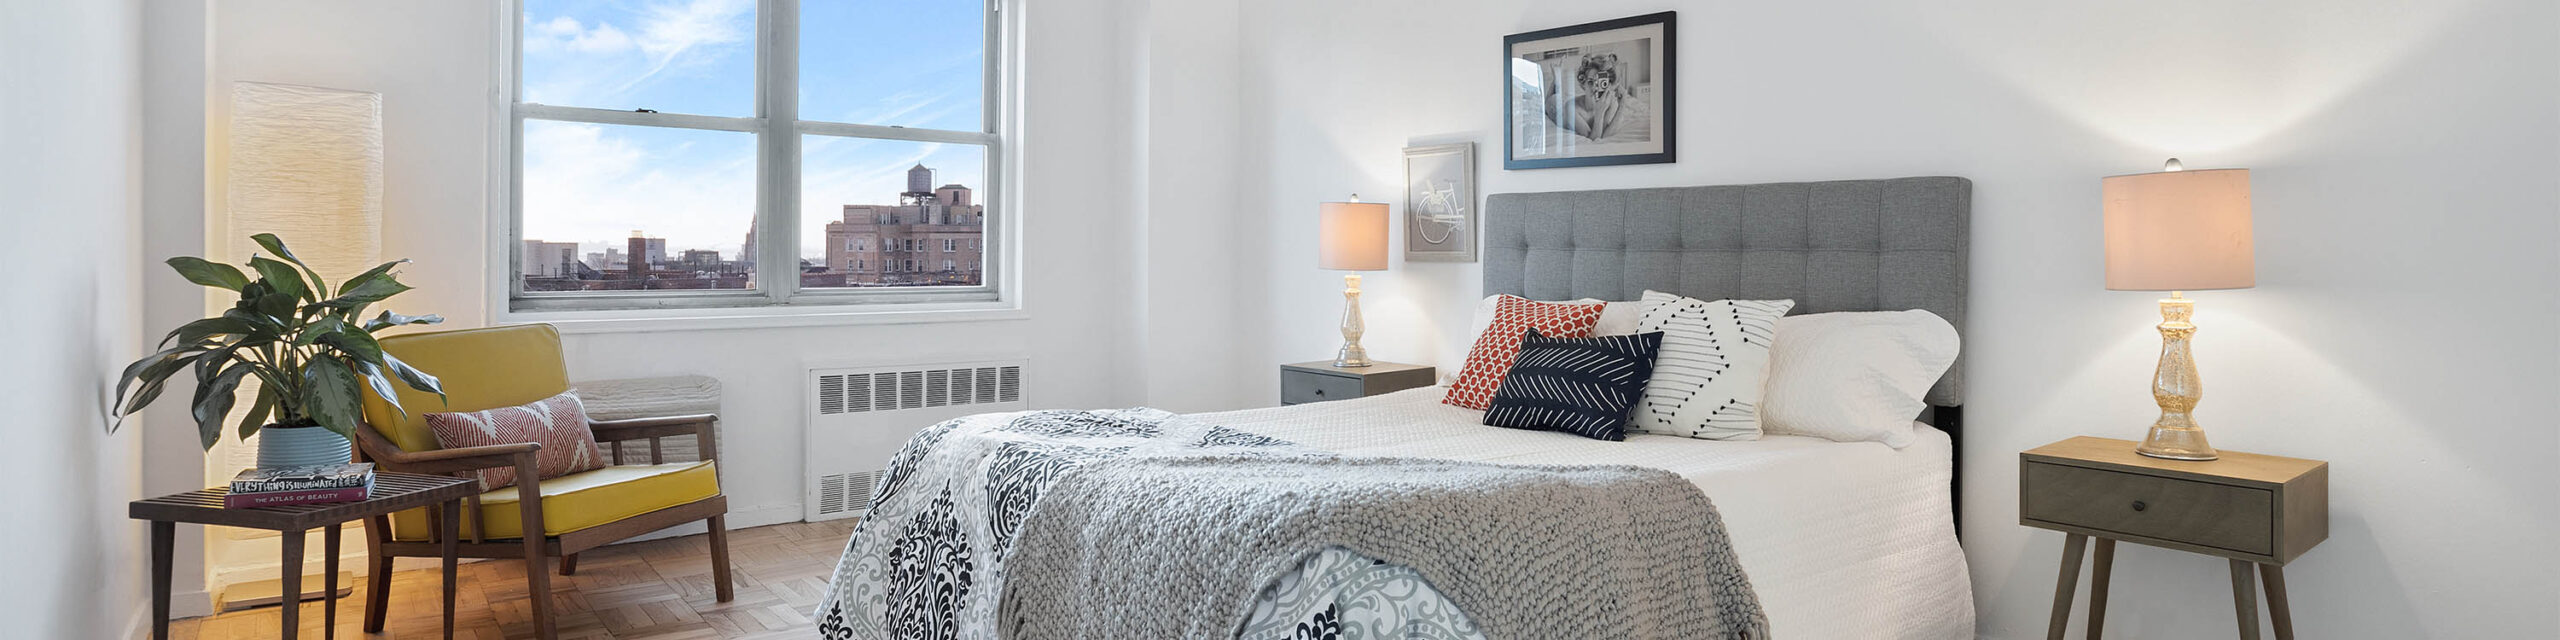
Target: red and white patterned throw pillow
x,y
1491,357
558,422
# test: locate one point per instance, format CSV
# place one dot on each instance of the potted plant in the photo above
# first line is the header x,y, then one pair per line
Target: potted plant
x,y
306,345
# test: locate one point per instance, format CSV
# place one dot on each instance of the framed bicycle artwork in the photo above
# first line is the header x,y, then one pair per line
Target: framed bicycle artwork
x,y
1440,203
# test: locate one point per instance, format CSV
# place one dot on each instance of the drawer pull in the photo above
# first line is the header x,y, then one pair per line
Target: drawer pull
x,y
1319,392
2138,505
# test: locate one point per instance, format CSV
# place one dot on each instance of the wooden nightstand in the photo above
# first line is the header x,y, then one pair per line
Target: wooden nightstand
x,y
1319,381
2259,511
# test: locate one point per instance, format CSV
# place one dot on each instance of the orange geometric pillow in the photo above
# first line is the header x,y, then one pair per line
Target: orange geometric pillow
x,y
1491,357
558,422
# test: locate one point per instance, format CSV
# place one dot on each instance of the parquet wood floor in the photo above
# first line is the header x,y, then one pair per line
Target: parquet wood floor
x,y
655,590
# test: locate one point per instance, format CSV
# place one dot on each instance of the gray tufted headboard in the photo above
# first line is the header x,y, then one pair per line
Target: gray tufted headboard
x,y
1850,245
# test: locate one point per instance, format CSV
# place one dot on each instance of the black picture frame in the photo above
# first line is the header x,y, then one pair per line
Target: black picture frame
x,y
1661,113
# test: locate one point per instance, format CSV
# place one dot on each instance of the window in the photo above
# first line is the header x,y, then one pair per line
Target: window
x,y
950,245
724,146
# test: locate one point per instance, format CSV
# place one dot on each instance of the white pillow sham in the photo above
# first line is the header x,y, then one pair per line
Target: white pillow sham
x,y
1855,376
1709,376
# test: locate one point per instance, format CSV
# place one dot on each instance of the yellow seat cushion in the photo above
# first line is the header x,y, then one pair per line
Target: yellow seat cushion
x,y
482,369
582,500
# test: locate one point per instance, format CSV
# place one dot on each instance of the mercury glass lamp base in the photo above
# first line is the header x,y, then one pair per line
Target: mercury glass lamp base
x,y
2174,443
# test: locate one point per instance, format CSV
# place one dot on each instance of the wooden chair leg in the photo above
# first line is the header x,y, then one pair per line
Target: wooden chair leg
x,y
537,579
720,558
2244,597
569,564
2072,547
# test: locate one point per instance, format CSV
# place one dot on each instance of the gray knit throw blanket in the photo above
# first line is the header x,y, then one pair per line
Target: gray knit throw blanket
x,y
1158,547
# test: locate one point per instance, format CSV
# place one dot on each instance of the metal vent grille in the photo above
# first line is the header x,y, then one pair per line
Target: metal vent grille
x,y
841,393
845,493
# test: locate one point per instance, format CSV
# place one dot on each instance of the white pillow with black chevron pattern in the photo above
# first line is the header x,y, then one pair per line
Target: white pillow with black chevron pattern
x,y
1581,386
1713,367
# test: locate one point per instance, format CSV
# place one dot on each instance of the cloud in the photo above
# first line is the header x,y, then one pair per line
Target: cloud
x,y
564,33
595,184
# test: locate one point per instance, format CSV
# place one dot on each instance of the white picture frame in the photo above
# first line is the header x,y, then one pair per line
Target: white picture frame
x,y
1440,203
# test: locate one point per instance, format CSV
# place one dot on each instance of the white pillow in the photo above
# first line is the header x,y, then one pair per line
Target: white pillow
x,y
1856,376
1616,318
1713,366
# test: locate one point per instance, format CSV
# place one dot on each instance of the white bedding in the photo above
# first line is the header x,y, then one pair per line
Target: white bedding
x,y
1841,540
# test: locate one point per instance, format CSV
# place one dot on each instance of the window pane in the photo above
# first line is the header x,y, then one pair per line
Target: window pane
x,y
907,63
892,213
683,56
619,208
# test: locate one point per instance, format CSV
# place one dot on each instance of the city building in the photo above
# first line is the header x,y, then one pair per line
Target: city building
x,y
549,259
933,236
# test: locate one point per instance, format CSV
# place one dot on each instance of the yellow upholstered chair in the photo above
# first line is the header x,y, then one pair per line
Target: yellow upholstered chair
x,y
508,366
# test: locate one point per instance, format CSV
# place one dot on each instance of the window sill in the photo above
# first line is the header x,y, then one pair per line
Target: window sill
x,y
717,319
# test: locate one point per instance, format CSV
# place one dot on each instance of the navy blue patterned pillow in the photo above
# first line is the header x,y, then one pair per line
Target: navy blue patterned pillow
x,y
1581,386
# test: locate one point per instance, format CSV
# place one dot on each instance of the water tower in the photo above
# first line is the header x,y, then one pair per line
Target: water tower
x,y
919,187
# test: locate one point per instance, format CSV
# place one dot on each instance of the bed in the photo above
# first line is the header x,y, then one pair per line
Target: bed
x,y
1840,540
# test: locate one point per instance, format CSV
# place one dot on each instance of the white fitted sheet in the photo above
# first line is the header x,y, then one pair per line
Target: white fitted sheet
x,y
1841,540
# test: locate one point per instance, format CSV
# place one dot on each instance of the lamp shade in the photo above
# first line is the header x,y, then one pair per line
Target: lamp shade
x,y
1352,236
2179,230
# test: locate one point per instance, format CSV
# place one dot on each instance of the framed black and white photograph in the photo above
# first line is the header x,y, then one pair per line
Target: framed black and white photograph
x,y
1439,203
1589,94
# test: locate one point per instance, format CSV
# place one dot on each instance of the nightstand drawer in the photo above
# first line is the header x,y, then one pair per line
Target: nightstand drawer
x,y
2240,519
1298,387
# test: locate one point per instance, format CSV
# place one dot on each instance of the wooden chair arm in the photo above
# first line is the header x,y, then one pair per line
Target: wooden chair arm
x,y
391,457
704,428
651,427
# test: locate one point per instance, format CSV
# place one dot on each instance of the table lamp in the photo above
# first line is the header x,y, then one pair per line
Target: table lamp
x,y
1351,236
2178,231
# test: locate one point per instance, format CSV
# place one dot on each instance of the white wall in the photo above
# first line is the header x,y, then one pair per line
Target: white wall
x,y
2402,329
431,61
69,206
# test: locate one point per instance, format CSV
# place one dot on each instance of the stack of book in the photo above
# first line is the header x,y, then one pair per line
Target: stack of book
x,y
318,484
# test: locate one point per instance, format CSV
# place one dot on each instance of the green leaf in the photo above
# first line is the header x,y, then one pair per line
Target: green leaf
x,y
257,415
152,371
213,401
331,396
261,327
367,292
358,282
418,380
388,320
380,380
200,330
207,273
354,343
283,277
277,307
275,245
312,333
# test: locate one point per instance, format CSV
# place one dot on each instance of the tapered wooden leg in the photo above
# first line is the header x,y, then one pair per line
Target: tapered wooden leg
x,y
720,559
2244,597
2072,548
537,576
164,539
452,537
2101,565
291,588
2277,608
569,564
377,579
329,585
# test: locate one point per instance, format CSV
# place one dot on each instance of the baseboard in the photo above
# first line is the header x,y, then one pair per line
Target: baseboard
x,y
738,519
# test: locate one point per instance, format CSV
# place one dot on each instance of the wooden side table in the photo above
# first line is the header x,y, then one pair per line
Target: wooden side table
x,y
2259,511
1319,381
392,492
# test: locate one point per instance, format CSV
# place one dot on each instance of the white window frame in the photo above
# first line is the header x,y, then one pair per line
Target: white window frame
x,y
778,132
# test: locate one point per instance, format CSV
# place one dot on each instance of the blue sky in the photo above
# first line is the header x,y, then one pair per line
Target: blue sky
x,y
913,63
